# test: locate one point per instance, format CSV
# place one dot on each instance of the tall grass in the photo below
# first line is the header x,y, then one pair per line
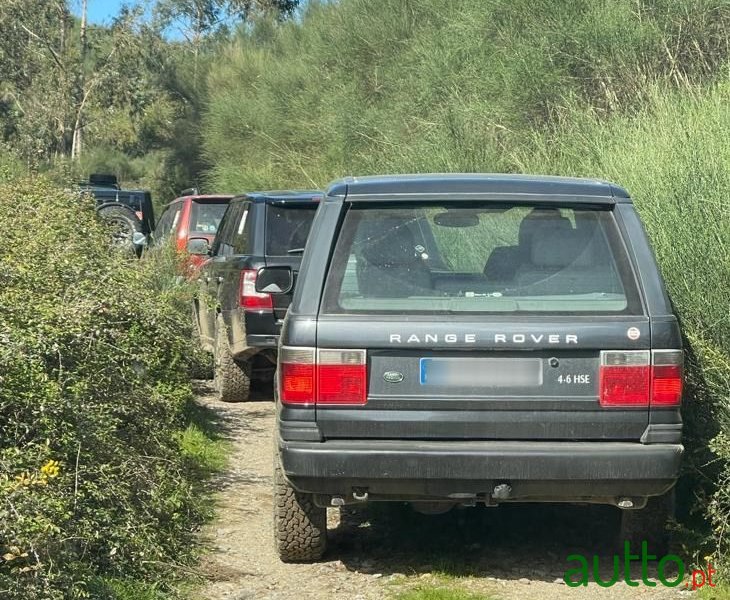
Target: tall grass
x,y
674,157
398,85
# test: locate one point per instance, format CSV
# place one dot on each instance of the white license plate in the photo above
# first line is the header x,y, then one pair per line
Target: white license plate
x,y
481,372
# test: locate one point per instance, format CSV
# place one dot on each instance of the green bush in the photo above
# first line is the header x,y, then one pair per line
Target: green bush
x,y
94,388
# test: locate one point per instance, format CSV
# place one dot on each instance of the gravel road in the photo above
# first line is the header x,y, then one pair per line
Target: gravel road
x,y
510,552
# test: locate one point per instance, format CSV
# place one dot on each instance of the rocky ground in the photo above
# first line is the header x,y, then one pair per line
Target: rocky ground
x,y
384,551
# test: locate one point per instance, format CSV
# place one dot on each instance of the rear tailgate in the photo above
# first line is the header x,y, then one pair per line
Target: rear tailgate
x,y
500,338
541,382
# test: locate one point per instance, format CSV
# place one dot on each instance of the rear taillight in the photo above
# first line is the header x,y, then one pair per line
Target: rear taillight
x,y
636,378
296,376
624,378
336,377
666,381
341,377
249,299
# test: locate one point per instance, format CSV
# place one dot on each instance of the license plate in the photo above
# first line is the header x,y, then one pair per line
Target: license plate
x,y
481,372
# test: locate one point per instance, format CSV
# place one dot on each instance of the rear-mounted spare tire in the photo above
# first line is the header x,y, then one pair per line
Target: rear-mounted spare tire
x,y
124,224
300,526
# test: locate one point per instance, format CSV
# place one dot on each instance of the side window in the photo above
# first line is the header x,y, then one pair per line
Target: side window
x,y
223,244
167,221
242,235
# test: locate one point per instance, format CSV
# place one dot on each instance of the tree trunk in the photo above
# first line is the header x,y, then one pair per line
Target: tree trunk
x,y
76,142
63,17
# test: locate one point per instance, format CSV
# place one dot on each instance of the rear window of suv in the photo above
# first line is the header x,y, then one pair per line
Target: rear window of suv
x,y
205,217
479,258
287,228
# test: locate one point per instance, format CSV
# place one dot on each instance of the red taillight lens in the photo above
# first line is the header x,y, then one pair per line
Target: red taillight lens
x,y
296,376
249,299
341,377
337,377
635,378
624,378
666,384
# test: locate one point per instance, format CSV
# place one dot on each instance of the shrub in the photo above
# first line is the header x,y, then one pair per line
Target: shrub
x,y
674,158
94,354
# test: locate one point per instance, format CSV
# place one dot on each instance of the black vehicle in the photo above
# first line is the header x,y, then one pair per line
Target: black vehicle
x,y
131,211
465,339
239,319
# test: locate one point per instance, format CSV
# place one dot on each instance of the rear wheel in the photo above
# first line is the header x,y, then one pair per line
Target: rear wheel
x,y
231,379
300,526
648,524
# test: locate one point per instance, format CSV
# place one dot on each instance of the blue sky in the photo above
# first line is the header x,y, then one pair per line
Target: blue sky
x,y
100,11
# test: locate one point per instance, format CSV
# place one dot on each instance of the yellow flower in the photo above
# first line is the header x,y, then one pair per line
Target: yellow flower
x,y
23,479
51,468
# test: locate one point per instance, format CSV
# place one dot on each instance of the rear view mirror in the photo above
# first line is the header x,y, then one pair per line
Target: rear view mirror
x,y
454,219
275,280
198,246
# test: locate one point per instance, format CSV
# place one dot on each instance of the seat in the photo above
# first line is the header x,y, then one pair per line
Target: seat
x,y
504,261
388,265
564,262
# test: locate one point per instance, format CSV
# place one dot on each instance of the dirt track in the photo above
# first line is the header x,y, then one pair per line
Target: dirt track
x,y
508,552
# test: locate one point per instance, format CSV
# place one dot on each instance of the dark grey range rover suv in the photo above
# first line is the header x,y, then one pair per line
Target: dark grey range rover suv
x,y
464,339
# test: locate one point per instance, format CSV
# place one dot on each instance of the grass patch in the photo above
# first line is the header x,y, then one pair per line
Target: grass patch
x,y
721,592
126,589
432,592
201,443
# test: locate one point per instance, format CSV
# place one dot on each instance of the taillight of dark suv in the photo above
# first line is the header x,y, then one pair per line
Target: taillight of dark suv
x,y
324,377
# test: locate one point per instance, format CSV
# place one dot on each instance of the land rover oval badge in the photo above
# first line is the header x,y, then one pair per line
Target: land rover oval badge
x,y
393,376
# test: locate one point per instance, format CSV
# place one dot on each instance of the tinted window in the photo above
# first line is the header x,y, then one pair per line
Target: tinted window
x,y
242,234
479,258
287,228
167,221
205,217
223,242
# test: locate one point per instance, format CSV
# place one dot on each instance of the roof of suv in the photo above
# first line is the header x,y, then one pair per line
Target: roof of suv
x,y
283,196
587,190
197,197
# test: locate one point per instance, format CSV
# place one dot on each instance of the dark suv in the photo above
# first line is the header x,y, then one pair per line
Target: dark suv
x,y
129,211
238,321
464,339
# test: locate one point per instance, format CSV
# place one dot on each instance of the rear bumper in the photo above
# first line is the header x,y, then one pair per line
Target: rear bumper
x,y
262,341
560,471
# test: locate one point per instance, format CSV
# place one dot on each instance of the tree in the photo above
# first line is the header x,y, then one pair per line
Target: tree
x,y
195,19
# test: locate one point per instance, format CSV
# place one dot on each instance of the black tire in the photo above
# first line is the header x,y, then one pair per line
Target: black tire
x,y
231,379
300,526
124,224
648,524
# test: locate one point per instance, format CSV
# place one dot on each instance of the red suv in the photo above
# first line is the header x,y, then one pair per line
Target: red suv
x,y
191,216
